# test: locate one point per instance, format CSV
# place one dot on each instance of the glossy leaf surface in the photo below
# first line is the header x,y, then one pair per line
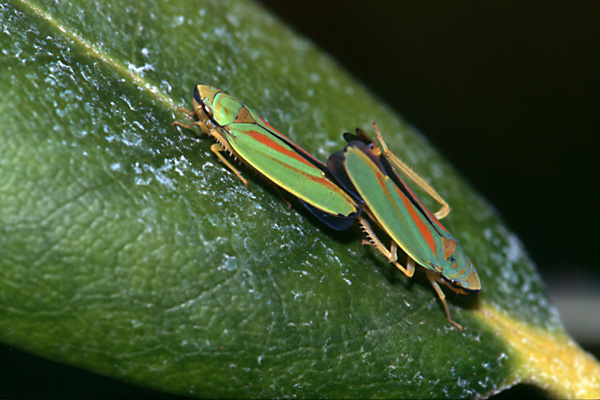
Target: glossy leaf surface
x,y
129,250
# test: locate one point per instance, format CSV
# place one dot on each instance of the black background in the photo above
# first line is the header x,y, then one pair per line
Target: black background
x,y
508,91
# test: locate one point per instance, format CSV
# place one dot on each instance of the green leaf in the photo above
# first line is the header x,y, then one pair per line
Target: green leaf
x,y
130,250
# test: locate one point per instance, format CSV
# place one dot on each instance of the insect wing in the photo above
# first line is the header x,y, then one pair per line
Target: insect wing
x,y
258,144
393,207
291,168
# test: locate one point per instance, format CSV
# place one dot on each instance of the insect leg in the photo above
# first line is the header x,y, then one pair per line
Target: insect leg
x,y
199,124
190,114
442,212
433,279
390,254
282,197
218,148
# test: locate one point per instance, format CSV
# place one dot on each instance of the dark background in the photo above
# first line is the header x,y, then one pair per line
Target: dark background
x,y
508,91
